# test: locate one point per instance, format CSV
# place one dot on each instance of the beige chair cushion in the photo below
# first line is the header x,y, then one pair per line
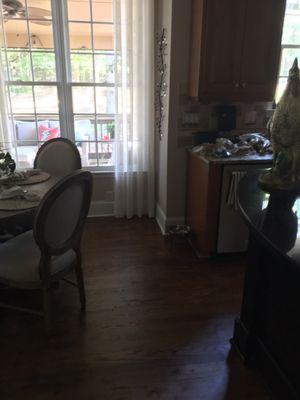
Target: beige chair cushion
x,y
20,257
58,158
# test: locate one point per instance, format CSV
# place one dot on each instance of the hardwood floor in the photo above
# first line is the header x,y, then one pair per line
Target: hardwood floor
x,y
157,326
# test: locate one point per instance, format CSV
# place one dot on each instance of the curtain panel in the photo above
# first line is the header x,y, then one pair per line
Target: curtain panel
x,y
6,134
134,120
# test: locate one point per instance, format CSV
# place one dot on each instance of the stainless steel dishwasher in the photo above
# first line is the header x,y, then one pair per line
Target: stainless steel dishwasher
x,y
232,232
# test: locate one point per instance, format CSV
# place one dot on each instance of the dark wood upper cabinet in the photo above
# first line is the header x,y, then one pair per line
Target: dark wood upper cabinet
x,y
235,49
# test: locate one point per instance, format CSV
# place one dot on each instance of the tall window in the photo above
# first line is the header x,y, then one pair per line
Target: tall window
x,y
60,77
290,44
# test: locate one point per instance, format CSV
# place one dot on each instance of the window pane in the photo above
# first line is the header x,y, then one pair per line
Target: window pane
x,y
80,36
105,98
82,67
19,65
48,128
103,37
41,35
83,100
105,130
84,128
16,34
287,59
13,12
292,5
26,130
280,88
103,11
79,10
21,99
104,68
291,30
42,9
46,100
88,153
105,151
44,66
26,155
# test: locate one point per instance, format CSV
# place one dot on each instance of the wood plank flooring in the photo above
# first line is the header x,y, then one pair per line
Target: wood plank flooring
x,y
157,326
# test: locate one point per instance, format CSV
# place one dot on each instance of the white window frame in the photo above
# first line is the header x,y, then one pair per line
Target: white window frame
x,y
283,47
64,84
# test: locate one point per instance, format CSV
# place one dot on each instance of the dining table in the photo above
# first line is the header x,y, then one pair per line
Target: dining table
x,y
13,211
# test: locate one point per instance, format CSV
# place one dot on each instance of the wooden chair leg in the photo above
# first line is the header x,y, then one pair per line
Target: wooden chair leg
x,y
80,282
47,308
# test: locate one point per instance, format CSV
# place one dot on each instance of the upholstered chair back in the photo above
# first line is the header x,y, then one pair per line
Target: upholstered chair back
x,y
61,215
58,156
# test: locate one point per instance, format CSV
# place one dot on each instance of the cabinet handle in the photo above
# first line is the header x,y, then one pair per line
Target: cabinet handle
x,y
237,85
243,84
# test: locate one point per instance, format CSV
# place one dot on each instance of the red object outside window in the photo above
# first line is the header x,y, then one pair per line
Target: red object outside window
x,y
46,133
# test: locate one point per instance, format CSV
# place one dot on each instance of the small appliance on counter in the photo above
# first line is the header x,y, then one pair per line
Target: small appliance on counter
x,y
204,137
226,116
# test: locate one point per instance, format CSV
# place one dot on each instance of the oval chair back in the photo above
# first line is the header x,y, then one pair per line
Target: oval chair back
x,y
62,213
58,156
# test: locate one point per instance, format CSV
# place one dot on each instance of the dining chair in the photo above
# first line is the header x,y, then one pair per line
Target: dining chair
x,y
58,156
40,258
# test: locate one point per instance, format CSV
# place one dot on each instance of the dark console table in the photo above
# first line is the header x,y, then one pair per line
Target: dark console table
x,y
267,332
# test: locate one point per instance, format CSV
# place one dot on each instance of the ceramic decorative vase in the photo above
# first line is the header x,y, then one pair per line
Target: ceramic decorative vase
x,y
284,132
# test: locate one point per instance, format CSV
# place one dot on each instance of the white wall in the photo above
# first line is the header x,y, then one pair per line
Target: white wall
x,y
163,20
102,199
179,75
174,15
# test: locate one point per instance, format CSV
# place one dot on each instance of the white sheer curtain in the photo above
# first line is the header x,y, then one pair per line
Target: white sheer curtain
x,y
134,137
6,135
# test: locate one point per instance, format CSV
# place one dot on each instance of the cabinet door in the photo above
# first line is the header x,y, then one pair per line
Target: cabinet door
x,y
222,41
261,49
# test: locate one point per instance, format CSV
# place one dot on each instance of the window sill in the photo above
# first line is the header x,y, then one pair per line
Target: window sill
x,y
100,173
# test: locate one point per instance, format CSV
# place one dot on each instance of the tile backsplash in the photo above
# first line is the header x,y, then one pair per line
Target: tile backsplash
x,y
203,117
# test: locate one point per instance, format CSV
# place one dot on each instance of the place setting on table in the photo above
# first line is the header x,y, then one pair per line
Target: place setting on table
x,y
20,190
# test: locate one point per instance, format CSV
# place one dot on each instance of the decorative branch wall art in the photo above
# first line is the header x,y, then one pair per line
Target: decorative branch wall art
x,y
161,85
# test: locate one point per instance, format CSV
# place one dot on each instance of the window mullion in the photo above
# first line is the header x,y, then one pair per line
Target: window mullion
x,y
13,140
63,67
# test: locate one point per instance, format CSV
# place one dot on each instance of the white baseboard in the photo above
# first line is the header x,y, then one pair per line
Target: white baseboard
x,y
106,209
101,209
161,219
164,222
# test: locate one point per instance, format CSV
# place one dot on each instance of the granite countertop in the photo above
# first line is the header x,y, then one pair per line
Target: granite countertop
x,y
250,159
274,217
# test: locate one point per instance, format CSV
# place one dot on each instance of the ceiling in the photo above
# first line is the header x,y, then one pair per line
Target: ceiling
x,y
77,10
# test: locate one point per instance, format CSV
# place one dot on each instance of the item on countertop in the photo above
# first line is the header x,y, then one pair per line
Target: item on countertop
x,y
258,142
284,132
243,145
226,118
225,143
206,149
17,192
221,152
223,148
243,150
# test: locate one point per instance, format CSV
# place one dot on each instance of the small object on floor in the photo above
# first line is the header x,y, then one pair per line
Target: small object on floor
x,y
178,232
